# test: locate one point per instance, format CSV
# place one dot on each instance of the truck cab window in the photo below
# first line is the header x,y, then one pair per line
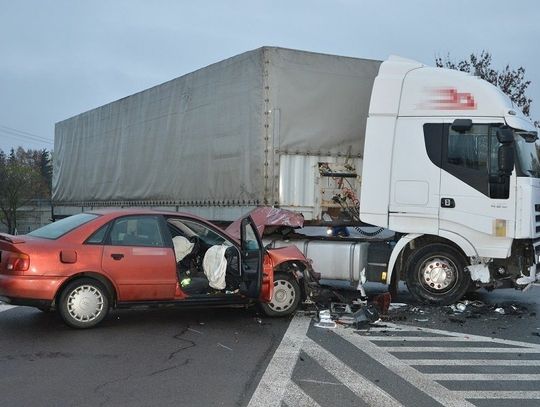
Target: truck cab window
x,y
471,156
469,149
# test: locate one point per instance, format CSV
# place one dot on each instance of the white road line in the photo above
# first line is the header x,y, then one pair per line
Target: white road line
x,y
435,349
484,376
472,362
319,382
427,339
295,397
499,394
360,386
277,376
419,380
406,328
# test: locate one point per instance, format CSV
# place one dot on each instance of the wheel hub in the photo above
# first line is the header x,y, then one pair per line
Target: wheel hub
x,y
283,297
438,274
85,303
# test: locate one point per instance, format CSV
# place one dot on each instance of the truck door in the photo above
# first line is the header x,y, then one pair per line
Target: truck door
x,y
252,259
474,202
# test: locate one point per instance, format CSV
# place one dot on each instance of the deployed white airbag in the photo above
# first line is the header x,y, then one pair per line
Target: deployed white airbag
x,y
182,247
215,266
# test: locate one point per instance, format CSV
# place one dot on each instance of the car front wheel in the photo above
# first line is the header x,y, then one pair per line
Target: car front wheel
x,y
285,296
84,303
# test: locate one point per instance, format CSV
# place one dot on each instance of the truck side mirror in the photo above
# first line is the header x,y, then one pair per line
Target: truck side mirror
x,y
505,135
506,159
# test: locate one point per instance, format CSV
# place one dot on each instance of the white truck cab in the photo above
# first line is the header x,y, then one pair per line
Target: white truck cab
x,y
452,166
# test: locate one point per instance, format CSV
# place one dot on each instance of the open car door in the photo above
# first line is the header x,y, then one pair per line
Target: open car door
x,y
252,258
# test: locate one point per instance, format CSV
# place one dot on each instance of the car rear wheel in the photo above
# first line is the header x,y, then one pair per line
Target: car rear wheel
x,y
285,296
84,303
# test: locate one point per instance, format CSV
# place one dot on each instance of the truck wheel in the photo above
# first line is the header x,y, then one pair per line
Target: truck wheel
x,y
83,303
285,297
436,274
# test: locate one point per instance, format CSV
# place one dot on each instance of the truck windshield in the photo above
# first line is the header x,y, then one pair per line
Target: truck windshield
x,y
527,150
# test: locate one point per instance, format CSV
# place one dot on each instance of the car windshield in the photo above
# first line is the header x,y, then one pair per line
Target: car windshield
x,y
527,149
56,229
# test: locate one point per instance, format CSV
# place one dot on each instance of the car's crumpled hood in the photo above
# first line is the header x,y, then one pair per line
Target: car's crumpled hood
x,y
268,216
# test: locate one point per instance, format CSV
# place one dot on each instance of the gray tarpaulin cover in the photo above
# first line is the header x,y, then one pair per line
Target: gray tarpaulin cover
x,y
213,135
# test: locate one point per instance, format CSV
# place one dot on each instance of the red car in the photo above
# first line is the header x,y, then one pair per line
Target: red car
x,y
85,264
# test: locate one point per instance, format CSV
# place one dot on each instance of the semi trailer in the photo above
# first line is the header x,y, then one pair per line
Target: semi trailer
x,y
435,171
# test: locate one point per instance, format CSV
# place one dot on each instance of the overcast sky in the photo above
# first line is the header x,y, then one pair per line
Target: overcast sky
x,y
60,58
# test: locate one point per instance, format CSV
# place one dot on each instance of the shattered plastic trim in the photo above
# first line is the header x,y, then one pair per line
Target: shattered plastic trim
x,y
480,272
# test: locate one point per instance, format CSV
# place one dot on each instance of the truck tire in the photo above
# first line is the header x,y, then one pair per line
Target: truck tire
x,y
436,274
84,303
285,296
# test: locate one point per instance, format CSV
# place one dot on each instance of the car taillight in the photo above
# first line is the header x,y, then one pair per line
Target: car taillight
x,y
18,262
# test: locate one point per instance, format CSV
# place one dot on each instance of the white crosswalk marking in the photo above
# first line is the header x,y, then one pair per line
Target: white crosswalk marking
x,y
360,386
295,397
277,376
435,390
519,395
455,382
471,362
483,376
430,349
394,328
460,338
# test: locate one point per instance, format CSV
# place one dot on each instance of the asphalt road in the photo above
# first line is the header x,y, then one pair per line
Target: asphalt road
x,y
137,358
230,357
521,320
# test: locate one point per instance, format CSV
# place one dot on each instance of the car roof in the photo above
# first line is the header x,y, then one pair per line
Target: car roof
x,y
112,213
140,211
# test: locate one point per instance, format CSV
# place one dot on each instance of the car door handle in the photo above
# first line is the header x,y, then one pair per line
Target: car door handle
x,y
117,256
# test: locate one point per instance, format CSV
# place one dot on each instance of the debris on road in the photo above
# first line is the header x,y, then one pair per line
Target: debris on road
x,y
325,320
341,308
356,315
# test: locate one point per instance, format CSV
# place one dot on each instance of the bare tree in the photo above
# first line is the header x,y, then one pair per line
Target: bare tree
x,y
21,181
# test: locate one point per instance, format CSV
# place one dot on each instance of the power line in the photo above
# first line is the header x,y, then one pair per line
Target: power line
x,y
23,135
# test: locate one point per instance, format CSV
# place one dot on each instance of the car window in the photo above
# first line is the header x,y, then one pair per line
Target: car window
x,y
61,227
136,231
189,228
98,237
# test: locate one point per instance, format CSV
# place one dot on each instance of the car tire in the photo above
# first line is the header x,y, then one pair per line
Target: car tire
x,y
84,303
285,296
436,274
